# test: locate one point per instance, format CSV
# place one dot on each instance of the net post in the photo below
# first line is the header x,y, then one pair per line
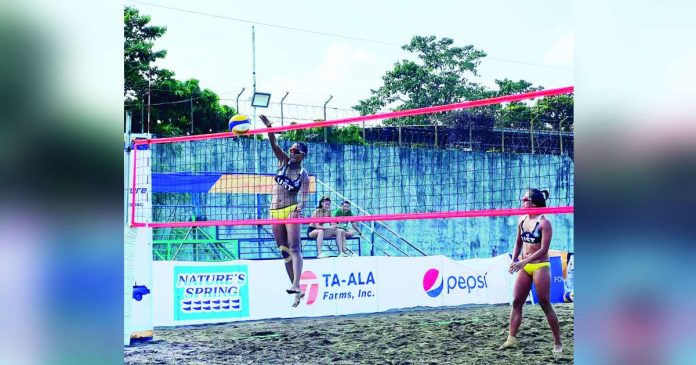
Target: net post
x,y
134,182
502,142
372,240
126,164
471,143
531,133
435,135
560,133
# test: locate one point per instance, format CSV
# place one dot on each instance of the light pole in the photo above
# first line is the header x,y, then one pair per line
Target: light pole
x,y
281,108
325,128
238,95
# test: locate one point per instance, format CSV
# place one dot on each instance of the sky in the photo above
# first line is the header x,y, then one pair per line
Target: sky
x,y
531,40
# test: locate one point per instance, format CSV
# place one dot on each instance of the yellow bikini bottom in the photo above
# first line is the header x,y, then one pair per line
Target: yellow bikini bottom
x,y
531,268
283,213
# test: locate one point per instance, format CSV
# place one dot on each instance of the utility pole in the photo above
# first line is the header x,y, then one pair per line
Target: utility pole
x,y
253,56
256,143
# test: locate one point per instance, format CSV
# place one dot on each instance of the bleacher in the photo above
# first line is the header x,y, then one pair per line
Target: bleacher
x,y
257,243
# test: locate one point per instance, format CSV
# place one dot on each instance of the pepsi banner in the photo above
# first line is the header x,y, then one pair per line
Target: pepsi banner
x,y
439,281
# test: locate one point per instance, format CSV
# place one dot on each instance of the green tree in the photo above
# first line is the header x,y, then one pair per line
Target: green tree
x,y
471,119
510,87
517,114
178,100
139,53
546,114
173,102
440,76
556,112
350,134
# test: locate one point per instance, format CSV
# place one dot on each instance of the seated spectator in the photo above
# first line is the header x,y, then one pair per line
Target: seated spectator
x,y
319,231
345,230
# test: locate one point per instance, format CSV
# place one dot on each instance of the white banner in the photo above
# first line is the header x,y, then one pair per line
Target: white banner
x,y
141,322
138,280
194,293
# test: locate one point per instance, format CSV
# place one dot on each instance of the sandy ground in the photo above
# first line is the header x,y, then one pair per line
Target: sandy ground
x,y
455,335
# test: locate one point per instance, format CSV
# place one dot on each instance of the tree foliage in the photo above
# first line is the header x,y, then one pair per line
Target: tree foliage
x,y
139,53
471,119
441,75
185,96
173,102
350,134
556,112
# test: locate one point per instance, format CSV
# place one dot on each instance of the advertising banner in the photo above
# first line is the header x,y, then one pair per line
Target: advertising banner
x,y
194,293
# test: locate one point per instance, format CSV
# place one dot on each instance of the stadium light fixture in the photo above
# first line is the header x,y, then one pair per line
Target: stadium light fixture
x,y
260,100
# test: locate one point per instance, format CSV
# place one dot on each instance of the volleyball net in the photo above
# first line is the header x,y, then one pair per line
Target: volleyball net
x,y
225,180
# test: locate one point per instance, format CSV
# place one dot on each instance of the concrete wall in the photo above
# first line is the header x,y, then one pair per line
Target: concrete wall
x,y
388,180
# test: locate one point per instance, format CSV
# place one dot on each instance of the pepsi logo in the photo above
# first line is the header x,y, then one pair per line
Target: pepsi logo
x,y
433,282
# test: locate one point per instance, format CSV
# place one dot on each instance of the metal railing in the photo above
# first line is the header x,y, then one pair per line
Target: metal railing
x,y
373,230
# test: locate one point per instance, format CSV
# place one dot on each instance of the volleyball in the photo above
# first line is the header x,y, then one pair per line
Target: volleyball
x,y
568,297
240,124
